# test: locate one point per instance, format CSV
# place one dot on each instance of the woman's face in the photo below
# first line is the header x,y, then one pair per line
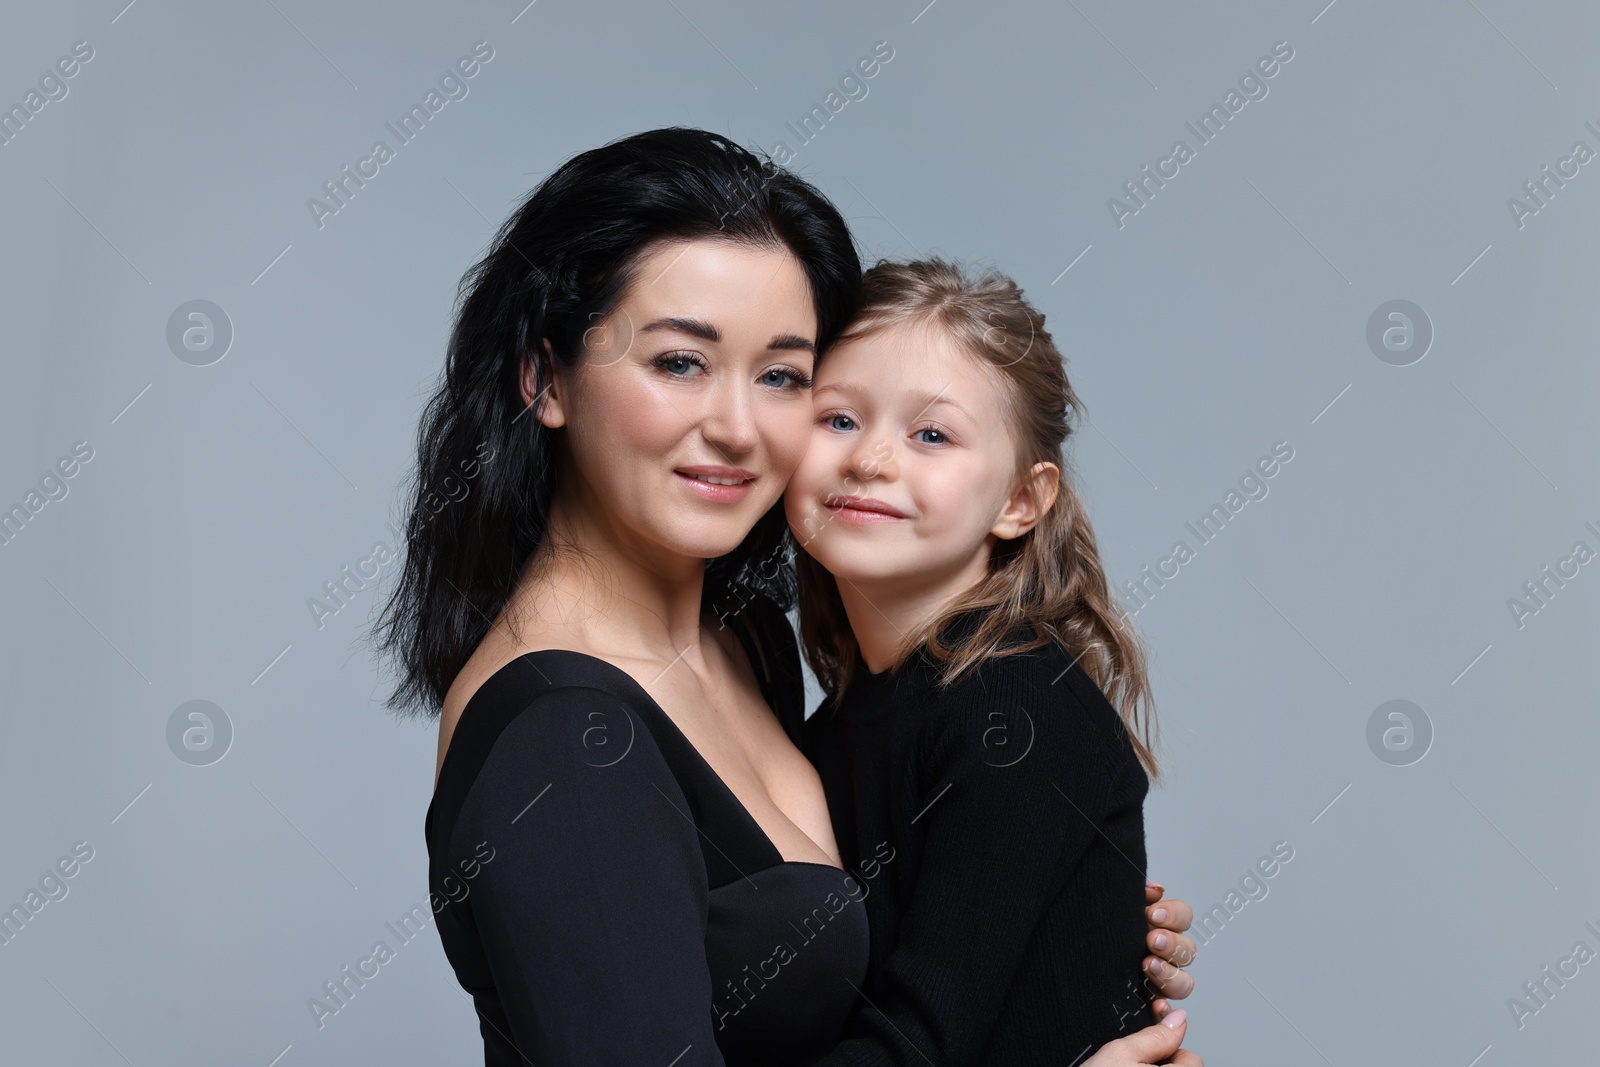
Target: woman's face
x,y
689,408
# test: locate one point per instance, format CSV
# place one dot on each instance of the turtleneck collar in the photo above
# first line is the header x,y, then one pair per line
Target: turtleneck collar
x,y
871,695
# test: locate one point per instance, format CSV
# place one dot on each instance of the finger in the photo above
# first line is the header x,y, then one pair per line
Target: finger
x,y
1174,948
1169,914
1154,1044
1160,1008
1153,891
1185,1058
1169,980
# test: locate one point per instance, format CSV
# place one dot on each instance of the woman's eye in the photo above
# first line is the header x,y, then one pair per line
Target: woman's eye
x,y
680,364
929,436
784,378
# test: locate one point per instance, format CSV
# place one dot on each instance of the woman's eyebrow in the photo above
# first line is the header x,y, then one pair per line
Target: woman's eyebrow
x,y
784,342
788,342
693,327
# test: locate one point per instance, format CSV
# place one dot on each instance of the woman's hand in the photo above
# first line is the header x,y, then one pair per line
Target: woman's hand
x,y
1171,950
1157,1043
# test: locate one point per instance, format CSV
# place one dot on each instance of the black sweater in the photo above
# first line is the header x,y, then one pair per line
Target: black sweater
x,y
996,828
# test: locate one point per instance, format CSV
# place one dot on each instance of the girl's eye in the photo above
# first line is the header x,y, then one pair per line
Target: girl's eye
x,y
680,364
785,378
839,422
934,437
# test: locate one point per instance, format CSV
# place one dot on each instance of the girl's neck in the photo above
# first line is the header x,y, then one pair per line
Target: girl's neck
x,y
883,614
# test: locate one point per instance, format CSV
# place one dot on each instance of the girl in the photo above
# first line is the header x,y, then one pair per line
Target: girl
x,y
988,708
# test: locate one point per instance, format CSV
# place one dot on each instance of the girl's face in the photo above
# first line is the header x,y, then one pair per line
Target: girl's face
x,y
688,410
911,468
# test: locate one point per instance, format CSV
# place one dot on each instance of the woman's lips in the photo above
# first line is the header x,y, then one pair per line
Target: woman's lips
x,y
725,485
863,509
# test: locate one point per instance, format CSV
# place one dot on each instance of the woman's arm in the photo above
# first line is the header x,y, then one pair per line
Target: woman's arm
x,y
1170,950
592,912
1155,1044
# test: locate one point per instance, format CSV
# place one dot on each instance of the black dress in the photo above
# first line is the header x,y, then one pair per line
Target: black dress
x,y
606,898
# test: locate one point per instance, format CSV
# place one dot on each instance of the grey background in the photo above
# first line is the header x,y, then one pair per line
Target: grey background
x,y
1227,315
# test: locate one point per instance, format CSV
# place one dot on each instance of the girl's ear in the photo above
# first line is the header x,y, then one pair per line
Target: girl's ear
x,y
1034,495
534,367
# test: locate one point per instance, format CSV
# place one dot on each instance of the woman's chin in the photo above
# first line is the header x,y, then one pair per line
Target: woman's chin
x,y
708,538
709,545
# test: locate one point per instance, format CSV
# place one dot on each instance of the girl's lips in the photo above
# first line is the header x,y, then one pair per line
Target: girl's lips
x,y
698,479
863,509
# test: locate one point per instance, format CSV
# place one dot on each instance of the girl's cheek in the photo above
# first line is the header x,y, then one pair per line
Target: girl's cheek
x,y
800,481
949,494
818,448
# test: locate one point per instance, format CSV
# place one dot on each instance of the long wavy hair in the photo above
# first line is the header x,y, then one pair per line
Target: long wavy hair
x,y
556,267
1047,585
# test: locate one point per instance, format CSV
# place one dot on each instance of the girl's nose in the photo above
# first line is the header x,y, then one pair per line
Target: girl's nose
x,y
872,457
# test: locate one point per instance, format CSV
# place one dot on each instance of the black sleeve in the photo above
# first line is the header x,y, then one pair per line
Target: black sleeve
x,y
592,910
1002,834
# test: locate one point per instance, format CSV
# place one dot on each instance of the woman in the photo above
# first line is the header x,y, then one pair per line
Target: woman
x,y
625,844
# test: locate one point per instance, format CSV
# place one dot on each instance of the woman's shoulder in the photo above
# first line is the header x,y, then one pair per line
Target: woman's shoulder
x,y
508,678
572,753
544,711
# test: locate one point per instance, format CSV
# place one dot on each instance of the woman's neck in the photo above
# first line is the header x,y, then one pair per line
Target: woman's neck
x,y
610,596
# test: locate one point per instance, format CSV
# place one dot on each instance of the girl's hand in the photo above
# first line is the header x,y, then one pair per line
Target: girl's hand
x,y
1172,951
1157,1043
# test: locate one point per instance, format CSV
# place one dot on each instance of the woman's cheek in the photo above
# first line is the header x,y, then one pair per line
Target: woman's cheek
x,y
652,416
789,436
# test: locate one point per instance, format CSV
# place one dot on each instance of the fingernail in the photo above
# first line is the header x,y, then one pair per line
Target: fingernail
x,y
1175,1019
1157,885
1155,968
1159,915
1161,941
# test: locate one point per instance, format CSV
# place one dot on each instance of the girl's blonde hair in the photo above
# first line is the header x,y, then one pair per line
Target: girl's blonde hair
x,y
1051,577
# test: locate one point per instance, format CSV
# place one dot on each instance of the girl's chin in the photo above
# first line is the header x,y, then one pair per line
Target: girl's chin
x,y
858,567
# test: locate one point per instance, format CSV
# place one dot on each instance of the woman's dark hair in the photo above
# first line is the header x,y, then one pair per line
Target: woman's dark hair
x,y
486,467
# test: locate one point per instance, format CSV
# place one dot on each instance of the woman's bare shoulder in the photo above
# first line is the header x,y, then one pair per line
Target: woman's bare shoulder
x,y
493,653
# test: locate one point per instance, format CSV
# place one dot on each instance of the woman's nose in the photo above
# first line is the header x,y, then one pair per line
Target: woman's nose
x,y
730,421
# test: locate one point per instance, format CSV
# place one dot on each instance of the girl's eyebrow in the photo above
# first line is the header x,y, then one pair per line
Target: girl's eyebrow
x,y
924,400
783,342
929,400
